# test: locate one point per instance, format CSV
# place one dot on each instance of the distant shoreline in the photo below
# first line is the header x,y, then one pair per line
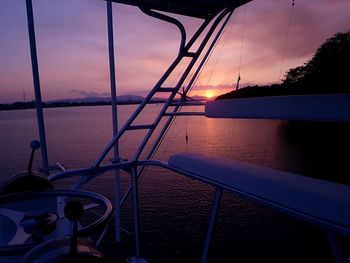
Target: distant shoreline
x,y
31,105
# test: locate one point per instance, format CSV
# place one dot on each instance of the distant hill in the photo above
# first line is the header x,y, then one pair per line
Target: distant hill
x,y
326,72
121,99
86,101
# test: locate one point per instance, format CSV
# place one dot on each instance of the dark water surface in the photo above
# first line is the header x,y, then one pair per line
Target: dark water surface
x,y
175,209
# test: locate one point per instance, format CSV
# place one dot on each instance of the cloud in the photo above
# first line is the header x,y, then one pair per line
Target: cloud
x,y
73,53
265,38
311,23
90,93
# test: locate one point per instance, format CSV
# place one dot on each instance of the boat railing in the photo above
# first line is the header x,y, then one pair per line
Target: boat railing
x,y
214,23
282,191
212,27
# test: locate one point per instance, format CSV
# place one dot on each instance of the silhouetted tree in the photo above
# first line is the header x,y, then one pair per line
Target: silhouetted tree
x,y
329,66
326,72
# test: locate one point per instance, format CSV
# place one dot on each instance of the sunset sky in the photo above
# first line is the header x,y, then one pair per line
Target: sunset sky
x,y
72,46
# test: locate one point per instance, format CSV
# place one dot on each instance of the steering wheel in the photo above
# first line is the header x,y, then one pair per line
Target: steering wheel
x,y
30,218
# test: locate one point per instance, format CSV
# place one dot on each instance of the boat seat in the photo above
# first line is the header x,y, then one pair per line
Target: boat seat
x,y
321,202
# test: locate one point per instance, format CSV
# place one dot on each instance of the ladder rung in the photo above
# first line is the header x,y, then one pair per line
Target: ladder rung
x,y
190,54
167,90
141,127
184,113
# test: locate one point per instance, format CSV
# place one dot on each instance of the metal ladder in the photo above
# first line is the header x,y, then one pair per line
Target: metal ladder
x,y
159,88
184,52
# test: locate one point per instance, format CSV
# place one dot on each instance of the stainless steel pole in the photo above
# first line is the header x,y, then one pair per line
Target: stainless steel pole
x,y
36,82
213,216
332,239
114,118
135,203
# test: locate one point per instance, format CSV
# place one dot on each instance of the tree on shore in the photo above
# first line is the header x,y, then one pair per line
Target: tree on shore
x,y
326,72
328,67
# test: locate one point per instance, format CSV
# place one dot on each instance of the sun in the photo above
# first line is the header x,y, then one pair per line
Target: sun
x,y
209,94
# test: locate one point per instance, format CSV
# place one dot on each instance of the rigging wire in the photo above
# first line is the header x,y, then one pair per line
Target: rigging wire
x,y
220,52
241,53
183,98
232,138
211,52
239,76
165,134
231,22
186,137
286,40
176,132
197,77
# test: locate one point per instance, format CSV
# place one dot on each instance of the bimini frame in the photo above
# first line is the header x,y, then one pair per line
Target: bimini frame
x,y
184,51
135,166
214,23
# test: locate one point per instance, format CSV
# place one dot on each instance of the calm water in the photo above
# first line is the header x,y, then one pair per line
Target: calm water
x,y
174,209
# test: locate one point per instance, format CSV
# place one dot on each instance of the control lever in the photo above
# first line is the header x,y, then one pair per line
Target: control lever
x,y
34,145
73,211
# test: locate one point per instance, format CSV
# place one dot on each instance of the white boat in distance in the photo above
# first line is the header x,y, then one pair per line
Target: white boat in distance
x,y
324,204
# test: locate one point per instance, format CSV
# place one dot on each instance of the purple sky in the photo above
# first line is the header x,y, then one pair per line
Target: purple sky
x,y
72,46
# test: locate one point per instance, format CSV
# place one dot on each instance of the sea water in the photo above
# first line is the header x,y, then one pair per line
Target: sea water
x,y
174,210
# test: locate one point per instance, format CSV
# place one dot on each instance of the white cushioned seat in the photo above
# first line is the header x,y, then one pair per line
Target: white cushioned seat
x,y
318,199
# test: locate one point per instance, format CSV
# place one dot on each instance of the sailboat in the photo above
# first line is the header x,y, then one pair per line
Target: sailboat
x,y
321,203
